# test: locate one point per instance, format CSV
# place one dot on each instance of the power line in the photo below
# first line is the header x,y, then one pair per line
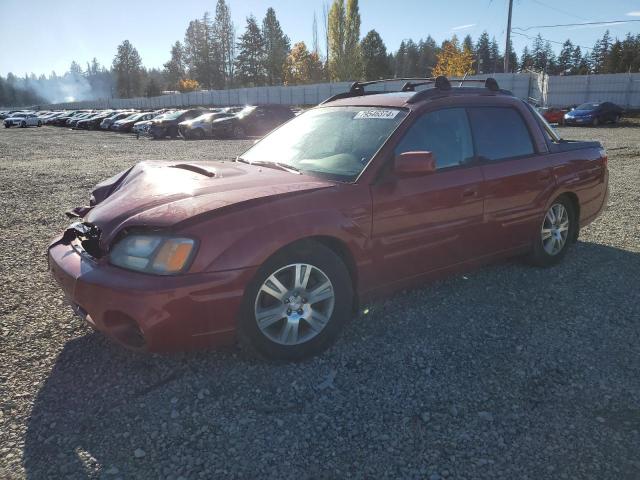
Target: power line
x,y
612,22
550,41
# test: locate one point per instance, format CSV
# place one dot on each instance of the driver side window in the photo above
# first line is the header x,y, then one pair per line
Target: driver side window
x,y
445,133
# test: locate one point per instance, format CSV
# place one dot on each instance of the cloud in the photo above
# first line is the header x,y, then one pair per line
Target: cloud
x,y
634,14
463,27
600,25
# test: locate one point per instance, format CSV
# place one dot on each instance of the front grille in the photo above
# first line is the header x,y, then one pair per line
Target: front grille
x,y
87,234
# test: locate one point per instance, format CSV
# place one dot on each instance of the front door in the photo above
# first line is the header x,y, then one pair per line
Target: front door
x,y
428,222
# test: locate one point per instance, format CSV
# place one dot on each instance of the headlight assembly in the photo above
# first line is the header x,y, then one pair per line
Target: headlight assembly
x,y
156,254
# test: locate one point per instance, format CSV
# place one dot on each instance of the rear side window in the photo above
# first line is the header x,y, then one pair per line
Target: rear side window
x,y
499,133
445,133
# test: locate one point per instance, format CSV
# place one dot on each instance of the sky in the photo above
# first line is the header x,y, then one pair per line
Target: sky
x,y
47,35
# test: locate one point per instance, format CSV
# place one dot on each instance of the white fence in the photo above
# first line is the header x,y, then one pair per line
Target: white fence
x,y
622,88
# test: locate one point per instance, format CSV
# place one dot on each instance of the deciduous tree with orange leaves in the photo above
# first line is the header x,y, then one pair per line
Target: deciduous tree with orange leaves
x,y
454,61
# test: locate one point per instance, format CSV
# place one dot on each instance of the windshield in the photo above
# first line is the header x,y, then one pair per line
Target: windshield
x,y
337,142
170,115
588,106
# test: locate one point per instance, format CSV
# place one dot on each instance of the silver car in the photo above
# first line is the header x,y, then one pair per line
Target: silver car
x,y
22,120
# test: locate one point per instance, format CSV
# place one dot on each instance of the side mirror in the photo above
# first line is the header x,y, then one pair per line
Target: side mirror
x,y
414,163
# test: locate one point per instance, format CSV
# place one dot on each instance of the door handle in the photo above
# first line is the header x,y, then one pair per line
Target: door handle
x,y
471,192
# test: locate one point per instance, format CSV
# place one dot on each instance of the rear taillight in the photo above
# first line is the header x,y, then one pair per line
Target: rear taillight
x,y
604,157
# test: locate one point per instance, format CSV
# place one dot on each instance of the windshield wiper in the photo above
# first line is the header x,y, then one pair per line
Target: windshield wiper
x,y
282,166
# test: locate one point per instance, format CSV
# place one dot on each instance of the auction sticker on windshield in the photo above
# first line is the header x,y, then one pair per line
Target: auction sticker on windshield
x,y
383,114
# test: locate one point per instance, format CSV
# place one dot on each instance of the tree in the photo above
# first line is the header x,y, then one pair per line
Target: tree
x,y
202,54
565,59
336,37
250,63
188,85
152,89
175,68
453,61
428,56
352,40
302,66
375,64
224,34
483,53
276,46
526,60
75,68
496,60
127,66
600,53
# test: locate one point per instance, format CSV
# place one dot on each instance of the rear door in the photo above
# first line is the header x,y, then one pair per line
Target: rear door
x,y
518,178
428,222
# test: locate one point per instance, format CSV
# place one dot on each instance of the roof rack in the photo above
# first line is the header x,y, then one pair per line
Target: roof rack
x,y
440,83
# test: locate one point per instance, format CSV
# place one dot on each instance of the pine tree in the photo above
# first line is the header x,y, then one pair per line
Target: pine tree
x,y
428,56
565,59
277,48
526,60
250,63
127,66
496,60
202,54
483,54
175,68
224,34
375,64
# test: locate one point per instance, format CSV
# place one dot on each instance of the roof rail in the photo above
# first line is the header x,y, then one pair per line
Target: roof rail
x,y
440,83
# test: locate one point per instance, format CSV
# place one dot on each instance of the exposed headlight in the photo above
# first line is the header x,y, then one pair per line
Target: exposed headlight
x,y
157,254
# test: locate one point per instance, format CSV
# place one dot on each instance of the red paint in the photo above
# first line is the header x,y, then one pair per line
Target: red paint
x,y
397,229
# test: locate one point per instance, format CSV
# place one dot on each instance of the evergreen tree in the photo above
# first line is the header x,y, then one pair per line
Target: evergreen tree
x,y
526,61
428,56
483,54
175,68
201,53
565,59
375,64
277,48
496,60
250,63
152,89
224,34
127,66
600,52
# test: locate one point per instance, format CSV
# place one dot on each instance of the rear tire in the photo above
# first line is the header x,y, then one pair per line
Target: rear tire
x,y
23,125
300,320
39,123
557,231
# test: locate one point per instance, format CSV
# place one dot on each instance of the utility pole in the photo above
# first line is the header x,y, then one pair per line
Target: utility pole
x,y
507,50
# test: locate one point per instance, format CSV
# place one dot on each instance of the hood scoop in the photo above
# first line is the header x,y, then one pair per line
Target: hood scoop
x,y
196,169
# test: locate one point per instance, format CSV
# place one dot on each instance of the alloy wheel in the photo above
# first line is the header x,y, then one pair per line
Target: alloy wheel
x,y
555,229
294,304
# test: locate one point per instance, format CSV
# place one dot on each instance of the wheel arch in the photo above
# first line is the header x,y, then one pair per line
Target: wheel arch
x,y
337,246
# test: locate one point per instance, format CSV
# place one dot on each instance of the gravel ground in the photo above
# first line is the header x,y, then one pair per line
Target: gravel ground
x,y
508,372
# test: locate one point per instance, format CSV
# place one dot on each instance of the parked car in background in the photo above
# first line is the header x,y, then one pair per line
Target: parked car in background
x,y
22,120
166,125
594,114
252,121
553,114
71,122
126,124
93,122
201,127
352,200
107,122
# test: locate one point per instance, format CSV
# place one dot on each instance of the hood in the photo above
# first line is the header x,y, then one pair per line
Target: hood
x,y
164,194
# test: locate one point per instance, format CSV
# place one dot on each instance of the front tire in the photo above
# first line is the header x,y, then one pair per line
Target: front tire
x,y
558,229
39,123
297,304
23,125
